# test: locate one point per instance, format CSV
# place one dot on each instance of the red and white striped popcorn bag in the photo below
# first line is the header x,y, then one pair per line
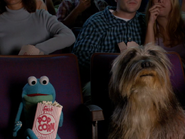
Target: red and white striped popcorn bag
x,y
46,120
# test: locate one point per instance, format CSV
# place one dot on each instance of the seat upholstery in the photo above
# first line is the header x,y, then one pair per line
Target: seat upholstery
x,y
100,75
63,73
177,77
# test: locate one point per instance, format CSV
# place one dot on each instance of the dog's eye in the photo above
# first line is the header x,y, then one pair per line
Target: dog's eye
x,y
132,54
152,52
129,56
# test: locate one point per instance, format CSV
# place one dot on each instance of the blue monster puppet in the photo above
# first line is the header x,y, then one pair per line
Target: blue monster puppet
x,y
35,91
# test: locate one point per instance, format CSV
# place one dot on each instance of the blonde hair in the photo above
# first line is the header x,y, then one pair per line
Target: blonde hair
x,y
175,26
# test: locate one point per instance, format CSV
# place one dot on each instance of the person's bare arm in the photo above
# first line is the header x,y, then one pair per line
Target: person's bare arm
x,y
150,38
154,12
71,18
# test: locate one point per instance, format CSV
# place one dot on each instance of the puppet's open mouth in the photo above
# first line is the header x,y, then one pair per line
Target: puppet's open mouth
x,y
32,95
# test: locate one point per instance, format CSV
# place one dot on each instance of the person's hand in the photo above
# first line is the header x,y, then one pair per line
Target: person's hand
x,y
122,46
132,44
30,50
154,12
83,5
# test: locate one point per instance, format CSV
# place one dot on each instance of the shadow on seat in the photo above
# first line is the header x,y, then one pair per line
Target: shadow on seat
x,y
100,75
63,73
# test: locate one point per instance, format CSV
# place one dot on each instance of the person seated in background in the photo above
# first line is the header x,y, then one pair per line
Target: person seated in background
x,y
50,6
166,27
22,25
47,5
109,31
56,4
73,13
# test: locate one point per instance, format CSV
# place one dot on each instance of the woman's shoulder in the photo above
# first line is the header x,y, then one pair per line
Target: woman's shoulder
x,y
43,14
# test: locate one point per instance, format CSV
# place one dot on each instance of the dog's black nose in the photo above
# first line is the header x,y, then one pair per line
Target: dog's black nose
x,y
146,64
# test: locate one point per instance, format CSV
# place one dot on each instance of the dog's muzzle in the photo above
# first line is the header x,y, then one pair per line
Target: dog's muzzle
x,y
146,68
147,64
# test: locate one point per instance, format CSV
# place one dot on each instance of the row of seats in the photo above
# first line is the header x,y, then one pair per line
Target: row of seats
x,y
80,122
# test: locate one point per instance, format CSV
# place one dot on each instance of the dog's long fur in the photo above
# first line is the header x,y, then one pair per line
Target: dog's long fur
x,y
145,105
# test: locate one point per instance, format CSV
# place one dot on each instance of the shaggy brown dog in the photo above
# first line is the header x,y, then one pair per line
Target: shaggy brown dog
x,y
145,105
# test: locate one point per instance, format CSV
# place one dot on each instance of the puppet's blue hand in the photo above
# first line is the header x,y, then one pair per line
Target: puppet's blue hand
x,y
17,126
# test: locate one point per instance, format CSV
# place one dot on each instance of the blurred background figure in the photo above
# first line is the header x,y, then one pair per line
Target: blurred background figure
x,y
50,6
56,4
183,8
73,13
47,5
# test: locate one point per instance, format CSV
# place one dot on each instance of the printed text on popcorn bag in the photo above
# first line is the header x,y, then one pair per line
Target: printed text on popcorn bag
x,y
46,121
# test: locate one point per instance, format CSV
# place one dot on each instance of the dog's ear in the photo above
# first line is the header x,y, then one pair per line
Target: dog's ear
x,y
114,81
114,91
117,71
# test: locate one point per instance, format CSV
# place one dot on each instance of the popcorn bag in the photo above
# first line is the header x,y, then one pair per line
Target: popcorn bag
x,y
46,120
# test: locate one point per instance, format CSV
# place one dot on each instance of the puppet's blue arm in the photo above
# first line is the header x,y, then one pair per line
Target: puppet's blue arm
x,y
31,134
61,119
18,123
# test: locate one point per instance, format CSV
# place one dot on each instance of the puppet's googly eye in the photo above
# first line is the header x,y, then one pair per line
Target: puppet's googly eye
x,y
44,80
32,80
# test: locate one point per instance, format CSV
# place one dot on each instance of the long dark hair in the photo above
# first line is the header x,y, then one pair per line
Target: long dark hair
x,y
29,5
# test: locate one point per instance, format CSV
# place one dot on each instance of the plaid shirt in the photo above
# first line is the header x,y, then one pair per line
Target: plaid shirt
x,y
67,6
103,31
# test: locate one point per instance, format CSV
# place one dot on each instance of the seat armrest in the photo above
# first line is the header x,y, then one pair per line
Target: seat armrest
x,y
96,112
96,116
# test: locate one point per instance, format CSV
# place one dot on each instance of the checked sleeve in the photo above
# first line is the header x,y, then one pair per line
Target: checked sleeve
x,y
87,43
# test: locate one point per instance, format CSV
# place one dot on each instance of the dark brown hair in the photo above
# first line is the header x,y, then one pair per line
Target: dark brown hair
x,y
29,5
